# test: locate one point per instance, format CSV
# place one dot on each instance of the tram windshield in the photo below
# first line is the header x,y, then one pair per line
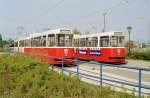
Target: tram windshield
x,y
64,40
117,41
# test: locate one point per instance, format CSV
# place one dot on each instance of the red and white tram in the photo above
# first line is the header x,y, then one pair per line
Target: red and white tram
x,y
105,47
62,43
53,43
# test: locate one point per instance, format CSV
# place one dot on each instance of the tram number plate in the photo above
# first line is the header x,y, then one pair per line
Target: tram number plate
x,y
95,52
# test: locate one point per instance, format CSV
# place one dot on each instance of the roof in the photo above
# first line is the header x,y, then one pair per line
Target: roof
x,y
100,34
55,31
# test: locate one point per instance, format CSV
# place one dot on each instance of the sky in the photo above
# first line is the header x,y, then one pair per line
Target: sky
x,y
85,15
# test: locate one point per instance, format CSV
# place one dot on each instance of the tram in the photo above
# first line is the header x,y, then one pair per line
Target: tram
x,y
62,43
49,45
107,47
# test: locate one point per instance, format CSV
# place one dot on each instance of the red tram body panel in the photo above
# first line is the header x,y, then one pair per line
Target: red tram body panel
x,y
50,54
107,55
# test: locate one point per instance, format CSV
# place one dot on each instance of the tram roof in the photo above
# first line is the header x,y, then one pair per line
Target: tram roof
x,y
117,33
22,38
55,31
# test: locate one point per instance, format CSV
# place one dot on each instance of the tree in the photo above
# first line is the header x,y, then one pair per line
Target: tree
x,y
132,44
129,28
76,31
1,41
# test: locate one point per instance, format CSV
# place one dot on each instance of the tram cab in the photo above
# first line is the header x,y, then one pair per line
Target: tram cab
x,y
103,47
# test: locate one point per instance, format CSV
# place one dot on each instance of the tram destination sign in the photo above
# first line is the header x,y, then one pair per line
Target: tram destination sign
x,y
82,51
95,52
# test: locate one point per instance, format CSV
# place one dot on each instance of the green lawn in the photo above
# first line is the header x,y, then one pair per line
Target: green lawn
x,y
27,77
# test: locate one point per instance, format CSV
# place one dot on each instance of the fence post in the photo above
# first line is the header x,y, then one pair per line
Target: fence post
x,y
139,86
101,76
78,71
62,65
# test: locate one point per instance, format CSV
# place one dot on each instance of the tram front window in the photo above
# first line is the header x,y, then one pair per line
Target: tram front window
x,y
117,41
68,40
114,41
121,41
65,40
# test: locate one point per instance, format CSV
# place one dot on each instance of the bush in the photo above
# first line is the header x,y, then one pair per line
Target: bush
x,y
1,50
140,55
26,77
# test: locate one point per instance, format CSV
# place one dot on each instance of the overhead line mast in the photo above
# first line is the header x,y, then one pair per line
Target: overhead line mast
x,y
104,29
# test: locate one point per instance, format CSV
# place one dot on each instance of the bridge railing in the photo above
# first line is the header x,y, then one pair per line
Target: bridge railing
x,y
101,78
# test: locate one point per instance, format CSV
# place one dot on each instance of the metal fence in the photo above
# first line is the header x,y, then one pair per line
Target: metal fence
x,y
102,77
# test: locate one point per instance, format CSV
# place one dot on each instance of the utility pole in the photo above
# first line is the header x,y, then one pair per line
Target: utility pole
x,y
129,28
104,29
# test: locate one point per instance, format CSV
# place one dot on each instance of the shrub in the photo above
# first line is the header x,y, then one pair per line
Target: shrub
x,y
26,77
140,55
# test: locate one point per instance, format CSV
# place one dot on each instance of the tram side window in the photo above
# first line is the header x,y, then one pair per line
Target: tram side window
x,y
27,43
35,42
83,42
61,40
104,41
76,42
89,42
51,40
68,39
21,43
16,44
42,41
94,42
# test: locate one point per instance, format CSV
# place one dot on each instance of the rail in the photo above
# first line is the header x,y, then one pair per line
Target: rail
x,y
102,77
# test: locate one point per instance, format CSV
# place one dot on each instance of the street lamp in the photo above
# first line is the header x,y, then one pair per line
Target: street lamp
x,y
129,28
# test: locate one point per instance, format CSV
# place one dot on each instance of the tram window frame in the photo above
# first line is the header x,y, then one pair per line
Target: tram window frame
x,y
51,40
68,40
61,40
35,42
118,42
82,42
114,41
103,42
42,41
76,42
88,41
21,43
16,44
121,41
94,42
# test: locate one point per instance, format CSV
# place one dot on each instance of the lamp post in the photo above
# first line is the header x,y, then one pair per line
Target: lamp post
x,y
129,28
104,29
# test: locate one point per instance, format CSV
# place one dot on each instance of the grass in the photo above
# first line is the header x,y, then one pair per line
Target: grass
x,y
27,77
